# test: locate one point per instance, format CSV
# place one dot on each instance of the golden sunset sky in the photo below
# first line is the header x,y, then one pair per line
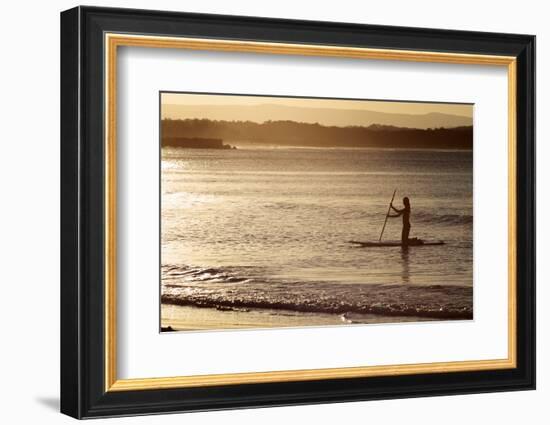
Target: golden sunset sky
x,y
323,111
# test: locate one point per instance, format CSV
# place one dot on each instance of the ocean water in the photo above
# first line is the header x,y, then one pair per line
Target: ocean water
x,y
269,229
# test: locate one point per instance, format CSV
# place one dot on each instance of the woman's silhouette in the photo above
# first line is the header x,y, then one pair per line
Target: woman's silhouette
x,y
406,213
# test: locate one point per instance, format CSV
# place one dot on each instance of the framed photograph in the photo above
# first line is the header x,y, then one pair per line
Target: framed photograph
x,y
261,212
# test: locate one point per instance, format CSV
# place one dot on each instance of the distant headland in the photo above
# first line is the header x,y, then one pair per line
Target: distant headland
x,y
195,143
210,134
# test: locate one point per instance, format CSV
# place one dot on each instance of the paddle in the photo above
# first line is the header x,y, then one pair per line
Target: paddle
x,y
387,214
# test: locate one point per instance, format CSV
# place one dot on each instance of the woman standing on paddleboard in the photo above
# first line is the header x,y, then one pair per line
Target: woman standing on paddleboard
x,y
406,213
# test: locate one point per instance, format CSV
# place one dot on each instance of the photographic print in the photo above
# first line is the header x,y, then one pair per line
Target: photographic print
x,y
291,212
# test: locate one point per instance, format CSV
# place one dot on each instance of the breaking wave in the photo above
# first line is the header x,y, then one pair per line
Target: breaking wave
x,y
240,289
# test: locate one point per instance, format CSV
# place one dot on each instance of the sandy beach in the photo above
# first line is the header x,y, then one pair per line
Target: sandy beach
x,y
185,318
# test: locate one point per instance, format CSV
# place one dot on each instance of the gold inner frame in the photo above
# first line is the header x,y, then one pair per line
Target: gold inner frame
x,y
113,41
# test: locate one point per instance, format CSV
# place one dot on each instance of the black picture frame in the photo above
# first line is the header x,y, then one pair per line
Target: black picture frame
x,y
83,392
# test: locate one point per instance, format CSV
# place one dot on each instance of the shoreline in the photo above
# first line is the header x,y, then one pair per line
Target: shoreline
x,y
189,318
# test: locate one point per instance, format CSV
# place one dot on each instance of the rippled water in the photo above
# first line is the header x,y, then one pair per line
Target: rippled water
x,y
269,228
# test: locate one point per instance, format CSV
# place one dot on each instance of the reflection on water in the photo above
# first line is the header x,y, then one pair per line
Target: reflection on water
x,y
405,274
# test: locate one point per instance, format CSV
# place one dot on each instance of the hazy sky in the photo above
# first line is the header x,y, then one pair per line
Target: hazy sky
x,y
323,111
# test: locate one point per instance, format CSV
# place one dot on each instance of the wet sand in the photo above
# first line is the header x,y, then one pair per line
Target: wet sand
x,y
184,318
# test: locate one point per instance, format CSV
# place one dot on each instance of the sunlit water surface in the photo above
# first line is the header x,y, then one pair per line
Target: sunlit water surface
x,y
270,228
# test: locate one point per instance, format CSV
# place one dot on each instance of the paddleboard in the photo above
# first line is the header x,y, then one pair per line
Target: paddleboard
x,y
418,242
